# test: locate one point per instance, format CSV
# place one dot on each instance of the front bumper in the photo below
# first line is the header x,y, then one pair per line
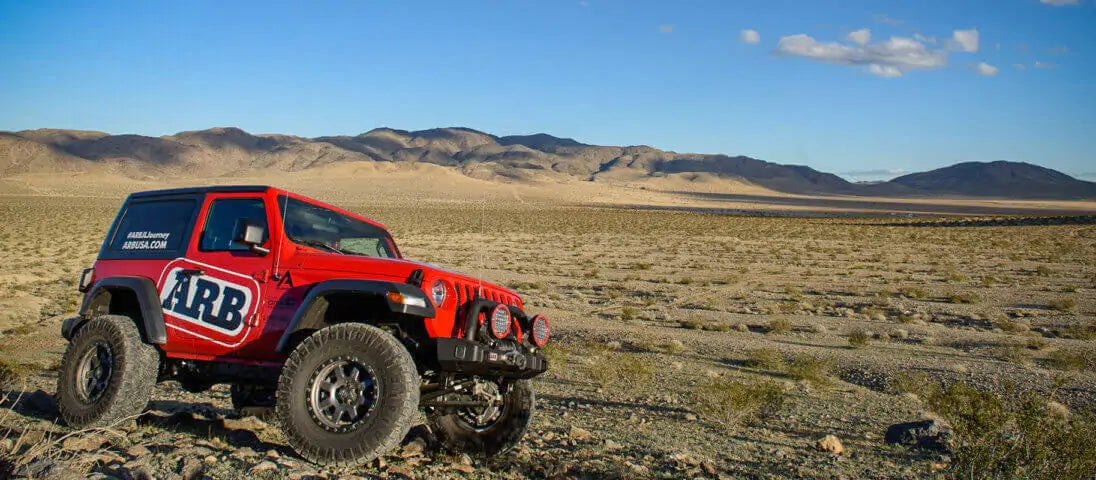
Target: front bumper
x,y
457,355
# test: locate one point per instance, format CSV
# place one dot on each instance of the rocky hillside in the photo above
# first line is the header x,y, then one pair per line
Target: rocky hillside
x,y
998,179
228,151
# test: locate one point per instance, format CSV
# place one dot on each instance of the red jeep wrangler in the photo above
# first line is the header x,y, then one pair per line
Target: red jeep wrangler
x,y
302,307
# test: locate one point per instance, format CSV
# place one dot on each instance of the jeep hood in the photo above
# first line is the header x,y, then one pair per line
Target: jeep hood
x,y
392,269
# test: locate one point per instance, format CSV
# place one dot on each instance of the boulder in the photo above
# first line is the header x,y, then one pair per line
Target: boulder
x,y
830,443
929,434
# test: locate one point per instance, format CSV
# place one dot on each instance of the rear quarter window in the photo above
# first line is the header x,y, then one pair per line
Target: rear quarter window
x,y
153,229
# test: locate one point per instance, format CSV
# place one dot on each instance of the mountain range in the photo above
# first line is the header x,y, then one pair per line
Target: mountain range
x,y
231,151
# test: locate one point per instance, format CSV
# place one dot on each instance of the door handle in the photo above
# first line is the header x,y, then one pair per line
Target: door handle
x,y
192,272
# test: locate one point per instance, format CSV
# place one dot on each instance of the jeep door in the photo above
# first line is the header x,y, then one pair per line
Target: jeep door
x,y
215,295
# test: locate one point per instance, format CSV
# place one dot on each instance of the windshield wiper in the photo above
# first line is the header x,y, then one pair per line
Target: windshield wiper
x,y
317,243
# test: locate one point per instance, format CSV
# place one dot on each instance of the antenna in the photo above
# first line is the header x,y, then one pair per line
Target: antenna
x,y
483,232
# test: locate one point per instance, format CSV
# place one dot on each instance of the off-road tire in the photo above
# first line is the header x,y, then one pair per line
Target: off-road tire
x,y
395,407
134,369
518,404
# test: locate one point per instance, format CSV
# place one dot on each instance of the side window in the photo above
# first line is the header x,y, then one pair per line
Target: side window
x,y
223,219
153,228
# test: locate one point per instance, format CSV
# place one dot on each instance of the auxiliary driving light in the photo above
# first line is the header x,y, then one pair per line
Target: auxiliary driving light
x,y
500,321
437,293
540,330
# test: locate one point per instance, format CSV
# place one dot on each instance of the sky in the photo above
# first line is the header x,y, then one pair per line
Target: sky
x,y
863,88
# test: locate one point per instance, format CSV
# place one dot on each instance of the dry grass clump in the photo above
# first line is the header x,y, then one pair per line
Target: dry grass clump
x,y
1014,435
780,326
618,369
1012,353
733,402
859,338
1064,304
628,313
764,359
696,323
12,375
1080,332
963,298
1066,361
816,370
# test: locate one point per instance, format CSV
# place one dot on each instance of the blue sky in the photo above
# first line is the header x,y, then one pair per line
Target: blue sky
x,y
928,84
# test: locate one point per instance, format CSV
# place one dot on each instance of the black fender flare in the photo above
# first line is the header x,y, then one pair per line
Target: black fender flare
x,y
315,302
152,316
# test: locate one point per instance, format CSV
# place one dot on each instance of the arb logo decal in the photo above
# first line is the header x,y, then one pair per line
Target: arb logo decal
x,y
207,297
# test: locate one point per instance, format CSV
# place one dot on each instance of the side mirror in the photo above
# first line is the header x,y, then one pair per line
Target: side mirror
x,y
251,234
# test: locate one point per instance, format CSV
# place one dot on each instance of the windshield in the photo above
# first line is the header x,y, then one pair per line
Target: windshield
x,y
318,227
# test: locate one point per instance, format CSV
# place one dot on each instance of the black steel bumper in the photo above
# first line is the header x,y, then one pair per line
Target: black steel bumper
x,y
458,355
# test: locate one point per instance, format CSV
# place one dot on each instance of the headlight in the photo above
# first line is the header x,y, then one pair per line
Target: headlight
x,y
437,293
500,321
540,330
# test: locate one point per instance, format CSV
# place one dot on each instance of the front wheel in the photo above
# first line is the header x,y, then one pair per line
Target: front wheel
x,y
491,430
347,394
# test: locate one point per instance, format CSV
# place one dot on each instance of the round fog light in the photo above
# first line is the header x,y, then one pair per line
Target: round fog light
x,y
540,330
500,321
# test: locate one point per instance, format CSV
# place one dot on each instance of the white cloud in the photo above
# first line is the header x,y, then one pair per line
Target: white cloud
x,y
1039,64
987,70
1060,3
966,40
884,70
666,28
924,39
861,37
1062,50
750,36
891,58
1019,66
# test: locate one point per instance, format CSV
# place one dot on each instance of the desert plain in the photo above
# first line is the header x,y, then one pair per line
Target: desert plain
x,y
702,329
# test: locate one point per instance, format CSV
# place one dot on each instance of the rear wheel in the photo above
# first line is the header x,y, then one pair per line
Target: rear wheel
x,y
489,430
347,394
107,373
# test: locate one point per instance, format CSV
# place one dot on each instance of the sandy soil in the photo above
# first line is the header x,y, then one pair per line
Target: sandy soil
x,y
642,283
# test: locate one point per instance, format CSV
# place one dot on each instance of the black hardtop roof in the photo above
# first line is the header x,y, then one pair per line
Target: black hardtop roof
x,y
191,190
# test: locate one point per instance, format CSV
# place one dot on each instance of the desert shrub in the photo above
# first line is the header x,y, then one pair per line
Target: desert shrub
x,y
1080,332
1064,304
913,382
1012,353
953,277
963,298
780,326
1044,271
859,338
1067,361
628,313
816,370
912,292
1014,435
696,323
11,375
621,369
1014,326
555,354
734,402
764,359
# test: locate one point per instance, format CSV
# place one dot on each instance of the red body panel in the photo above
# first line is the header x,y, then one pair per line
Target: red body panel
x,y
252,309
